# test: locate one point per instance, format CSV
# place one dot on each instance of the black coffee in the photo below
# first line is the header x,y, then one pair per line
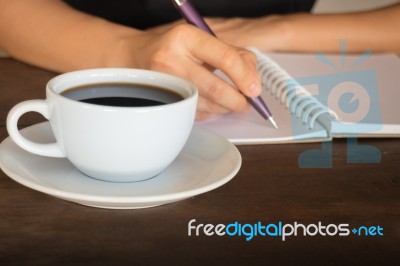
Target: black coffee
x,y
122,94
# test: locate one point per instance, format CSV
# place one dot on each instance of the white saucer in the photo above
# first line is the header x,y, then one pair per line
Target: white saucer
x,y
207,162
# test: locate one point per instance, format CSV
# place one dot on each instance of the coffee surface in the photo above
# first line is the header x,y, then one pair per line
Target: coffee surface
x,y
122,94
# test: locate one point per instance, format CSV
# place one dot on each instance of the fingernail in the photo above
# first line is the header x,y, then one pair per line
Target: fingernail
x,y
255,88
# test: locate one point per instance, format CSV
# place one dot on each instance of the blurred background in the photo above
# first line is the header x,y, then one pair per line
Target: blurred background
x,y
339,6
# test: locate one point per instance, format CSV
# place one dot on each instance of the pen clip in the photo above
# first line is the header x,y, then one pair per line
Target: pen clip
x,y
191,15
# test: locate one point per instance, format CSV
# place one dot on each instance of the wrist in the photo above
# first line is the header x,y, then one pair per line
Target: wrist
x,y
274,35
123,49
281,33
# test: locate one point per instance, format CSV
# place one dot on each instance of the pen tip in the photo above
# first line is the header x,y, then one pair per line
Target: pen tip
x,y
273,122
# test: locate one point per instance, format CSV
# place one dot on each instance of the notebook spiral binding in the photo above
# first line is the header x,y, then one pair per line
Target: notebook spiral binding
x,y
288,91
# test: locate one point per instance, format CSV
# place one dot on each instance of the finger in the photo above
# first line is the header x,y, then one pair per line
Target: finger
x,y
231,61
250,58
217,91
201,116
204,105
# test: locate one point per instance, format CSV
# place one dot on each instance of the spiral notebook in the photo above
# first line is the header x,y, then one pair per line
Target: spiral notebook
x,y
319,97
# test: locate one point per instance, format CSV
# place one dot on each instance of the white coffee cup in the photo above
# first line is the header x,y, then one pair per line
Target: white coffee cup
x,y
117,144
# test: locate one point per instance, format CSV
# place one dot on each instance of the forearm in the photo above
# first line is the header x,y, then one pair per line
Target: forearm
x,y
375,30
50,34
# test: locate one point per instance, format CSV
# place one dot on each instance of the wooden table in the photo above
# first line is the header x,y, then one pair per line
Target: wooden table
x,y
37,229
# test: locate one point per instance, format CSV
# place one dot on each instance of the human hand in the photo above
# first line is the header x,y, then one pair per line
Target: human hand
x,y
191,53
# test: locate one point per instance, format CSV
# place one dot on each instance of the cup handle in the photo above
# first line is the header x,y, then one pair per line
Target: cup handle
x,y
39,106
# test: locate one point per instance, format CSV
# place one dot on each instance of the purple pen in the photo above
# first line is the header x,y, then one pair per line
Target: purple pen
x,y
191,15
